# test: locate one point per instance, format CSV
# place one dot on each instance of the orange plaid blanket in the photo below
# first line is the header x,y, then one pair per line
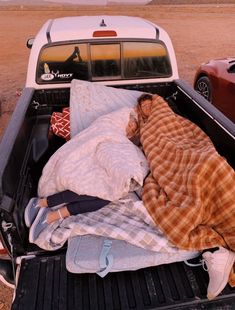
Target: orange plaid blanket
x,y
190,191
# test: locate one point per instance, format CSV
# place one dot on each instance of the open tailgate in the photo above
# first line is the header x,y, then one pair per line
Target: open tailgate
x,y
44,283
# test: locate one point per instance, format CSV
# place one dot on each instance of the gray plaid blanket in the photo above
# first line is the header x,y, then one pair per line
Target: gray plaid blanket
x,y
126,219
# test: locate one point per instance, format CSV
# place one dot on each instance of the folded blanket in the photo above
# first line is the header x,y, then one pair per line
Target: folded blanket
x,y
190,192
101,255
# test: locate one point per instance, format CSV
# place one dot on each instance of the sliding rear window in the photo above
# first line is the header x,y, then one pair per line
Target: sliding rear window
x,y
103,61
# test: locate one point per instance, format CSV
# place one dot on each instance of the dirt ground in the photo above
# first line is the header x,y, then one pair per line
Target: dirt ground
x,y
198,33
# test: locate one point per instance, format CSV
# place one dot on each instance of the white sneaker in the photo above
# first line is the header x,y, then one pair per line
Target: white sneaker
x,y
218,265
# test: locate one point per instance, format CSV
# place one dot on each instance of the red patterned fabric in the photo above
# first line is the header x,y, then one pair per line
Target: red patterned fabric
x,y
60,123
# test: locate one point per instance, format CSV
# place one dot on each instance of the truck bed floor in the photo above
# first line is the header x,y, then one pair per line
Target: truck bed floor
x,y
174,286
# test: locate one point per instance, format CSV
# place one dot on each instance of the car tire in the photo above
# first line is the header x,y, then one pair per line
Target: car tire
x,y
203,87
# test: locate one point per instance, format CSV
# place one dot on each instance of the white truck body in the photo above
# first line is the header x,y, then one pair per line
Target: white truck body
x,y
82,28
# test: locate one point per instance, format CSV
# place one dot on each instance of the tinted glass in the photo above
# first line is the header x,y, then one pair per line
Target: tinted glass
x,y
63,63
145,59
105,61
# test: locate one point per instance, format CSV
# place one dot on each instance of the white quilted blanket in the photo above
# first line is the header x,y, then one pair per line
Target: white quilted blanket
x,y
89,100
100,161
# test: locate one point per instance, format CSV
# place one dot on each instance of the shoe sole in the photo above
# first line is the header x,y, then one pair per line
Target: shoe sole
x,y
229,264
26,212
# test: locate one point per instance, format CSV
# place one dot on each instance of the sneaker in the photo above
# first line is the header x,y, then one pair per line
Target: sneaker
x,y
218,265
39,224
31,211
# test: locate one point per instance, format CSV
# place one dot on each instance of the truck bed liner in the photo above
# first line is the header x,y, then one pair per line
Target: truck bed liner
x,y
173,286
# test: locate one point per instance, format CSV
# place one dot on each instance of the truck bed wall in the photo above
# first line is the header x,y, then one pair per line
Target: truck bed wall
x,y
218,127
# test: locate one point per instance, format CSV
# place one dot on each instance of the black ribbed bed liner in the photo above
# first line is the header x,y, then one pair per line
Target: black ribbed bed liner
x,y
44,283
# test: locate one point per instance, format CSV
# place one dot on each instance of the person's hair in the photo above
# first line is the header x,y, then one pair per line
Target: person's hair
x,y
133,116
144,97
135,137
134,119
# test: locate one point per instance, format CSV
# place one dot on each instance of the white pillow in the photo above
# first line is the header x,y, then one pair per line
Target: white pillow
x,y
89,100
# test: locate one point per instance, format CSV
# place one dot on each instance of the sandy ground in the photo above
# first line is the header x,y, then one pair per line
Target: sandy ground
x,y
198,34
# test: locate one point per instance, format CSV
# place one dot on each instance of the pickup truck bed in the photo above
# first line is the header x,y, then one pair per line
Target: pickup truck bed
x,y
42,279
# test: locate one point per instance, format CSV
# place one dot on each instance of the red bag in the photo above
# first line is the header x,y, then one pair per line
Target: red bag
x,y
60,123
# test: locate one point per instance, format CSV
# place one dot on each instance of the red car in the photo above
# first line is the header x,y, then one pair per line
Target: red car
x,y
215,80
